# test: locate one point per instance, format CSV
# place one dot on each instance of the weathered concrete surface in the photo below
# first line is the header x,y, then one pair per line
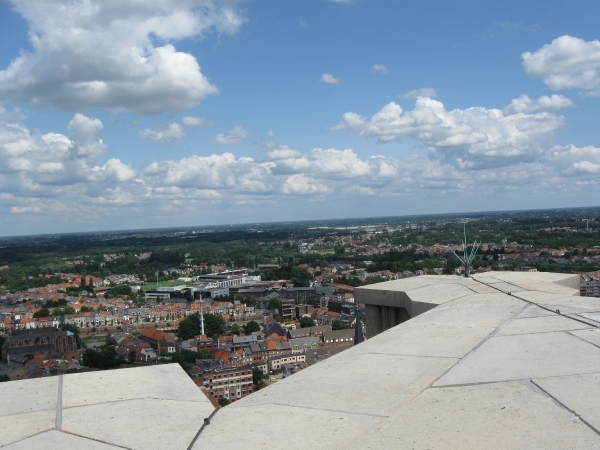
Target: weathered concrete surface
x,y
142,408
473,368
579,393
491,416
57,440
524,356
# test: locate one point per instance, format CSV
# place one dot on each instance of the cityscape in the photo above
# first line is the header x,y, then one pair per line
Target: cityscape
x,y
222,221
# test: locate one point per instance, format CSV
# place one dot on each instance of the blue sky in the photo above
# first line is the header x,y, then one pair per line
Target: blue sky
x,y
125,114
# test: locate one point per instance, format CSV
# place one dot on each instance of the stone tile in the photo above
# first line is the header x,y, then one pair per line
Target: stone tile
x,y
447,341
538,296
25,396
167,381
476,310
540,325
592,336
433,295
579,393
524,356
273,426
506,287
535,311
492,416
57,440
20,426
573,304
138,424
387,381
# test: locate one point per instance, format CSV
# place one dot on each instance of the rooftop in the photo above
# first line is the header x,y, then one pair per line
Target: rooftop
x,y
501,360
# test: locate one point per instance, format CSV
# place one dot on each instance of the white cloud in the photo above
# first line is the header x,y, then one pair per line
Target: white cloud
x,y
567,63
195,122
301,184
165,133
233,136
379,68
86,135
422,92
48,176
114,55
576,161
329,79
468,139
525,105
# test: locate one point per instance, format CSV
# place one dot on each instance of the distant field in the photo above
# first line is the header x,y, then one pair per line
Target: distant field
x,y
162,284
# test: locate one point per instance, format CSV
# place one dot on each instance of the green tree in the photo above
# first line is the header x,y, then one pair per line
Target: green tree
x,y
132,356
257,375
307,322
189,327
251,327
338,325
105,358
44,312
235,329
274,304
223,402
73,329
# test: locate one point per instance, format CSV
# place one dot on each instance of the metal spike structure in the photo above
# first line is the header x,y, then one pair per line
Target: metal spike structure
x,y
467,259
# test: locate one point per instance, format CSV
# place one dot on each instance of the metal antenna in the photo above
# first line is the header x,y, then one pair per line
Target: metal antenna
x,y
467,259
201,318
587,224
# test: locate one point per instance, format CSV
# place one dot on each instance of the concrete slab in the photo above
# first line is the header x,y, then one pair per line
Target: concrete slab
x,y
579,393
506,287
594,317
573,305
273,425
537,296
138,424
396,380
524,356
57,440
20,426
591,336
483,310
25,396
433,295
535,311
493,416
140,382
541,325
444,341
535,285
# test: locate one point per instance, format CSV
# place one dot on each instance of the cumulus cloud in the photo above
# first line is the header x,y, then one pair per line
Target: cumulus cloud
x,y
301,184
195,122
114,55
525,105
165,133
233,136
86,135
567,63
422,92
470,138
49,175
329,79
35,166
379,68
576,161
